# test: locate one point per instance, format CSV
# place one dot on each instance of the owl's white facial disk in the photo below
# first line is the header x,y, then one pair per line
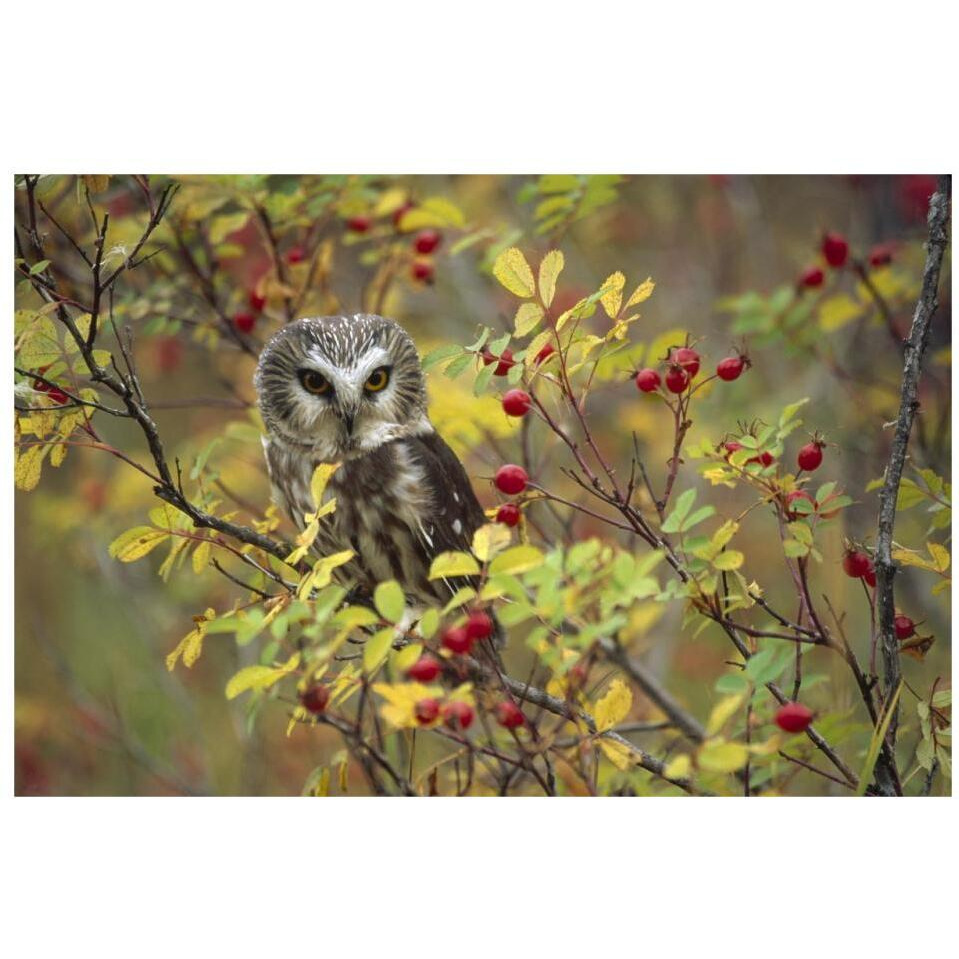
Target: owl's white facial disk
x,y
350,417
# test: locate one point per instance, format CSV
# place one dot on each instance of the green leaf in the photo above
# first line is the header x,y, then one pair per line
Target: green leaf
x,y
683,505
875,744
39,267
389,600
377,646
729,560
441,353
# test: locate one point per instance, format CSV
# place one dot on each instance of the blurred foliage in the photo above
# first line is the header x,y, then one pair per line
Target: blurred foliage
x,y
111,583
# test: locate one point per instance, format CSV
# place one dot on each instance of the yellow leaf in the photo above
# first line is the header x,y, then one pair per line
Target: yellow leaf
x,y
719,756
618,754
222,226
27,471
513,272
201,556
678,768
389,600
259,677
642,292
190,647
518,559
729,560
407,656
721,712
136,543
401,699
527,318
490,539
453,564
549,270
535,345
321,477
613,297
433,211
837,311
58,453
614,706
940,556
376,647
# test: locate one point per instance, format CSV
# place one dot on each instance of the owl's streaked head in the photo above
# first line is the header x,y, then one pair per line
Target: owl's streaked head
x,y
341,385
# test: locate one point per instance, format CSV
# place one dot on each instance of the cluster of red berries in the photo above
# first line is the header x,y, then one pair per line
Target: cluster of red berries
x,y
682,366
245,320
460,639
765,458
835,251
54,392
858,564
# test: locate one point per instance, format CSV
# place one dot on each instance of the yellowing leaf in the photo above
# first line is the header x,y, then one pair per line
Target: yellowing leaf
x,y
401,699
201,556
321,477
837,311
719,756
527,318
618,754
642,292
377,646
136,543
259,677
729,560
613,297
453,564
389,600
549,270
513,272
407,656
26,473
614,706
721,712
190,647
433,211
518,559
489,540
678,768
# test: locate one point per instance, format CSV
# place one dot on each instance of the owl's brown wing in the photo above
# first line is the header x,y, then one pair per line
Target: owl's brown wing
x,y
456,512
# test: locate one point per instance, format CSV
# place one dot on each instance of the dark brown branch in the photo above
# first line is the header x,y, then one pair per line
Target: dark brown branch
x,y
909,405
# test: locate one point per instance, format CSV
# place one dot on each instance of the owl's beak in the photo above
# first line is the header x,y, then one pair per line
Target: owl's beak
x,y
348,417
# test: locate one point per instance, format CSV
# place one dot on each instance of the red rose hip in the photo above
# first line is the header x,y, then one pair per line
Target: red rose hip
x,y
257,301
731,368
904,626
508,514
677,379
358,224
544,354
856,563
422,271
457,640
244,322
427,241
315,698
810,456
835,249
479,625
687,358
793,717
509,715
296,255
648,380
811,278
517,402
426,711
511,479
425,669
458,715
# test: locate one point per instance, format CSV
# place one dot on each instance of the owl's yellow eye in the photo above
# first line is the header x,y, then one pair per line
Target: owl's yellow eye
x,y
314,382
377,380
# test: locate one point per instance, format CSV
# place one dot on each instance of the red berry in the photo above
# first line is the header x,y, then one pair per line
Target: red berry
x,y
856,563
544,354
765,459
509,715
648,380
315,698
835,249
731,446
425,669
505,363
58,396
508,514
479,625
731,368
401,212
457,640
869,577
426,710
244,322
422,271
688,359
39,385
812,277
810,456
904,626
257,301
793,717
359,224
517,403
677,379
296,255
791,498
458,715
880,255
511,479
427,241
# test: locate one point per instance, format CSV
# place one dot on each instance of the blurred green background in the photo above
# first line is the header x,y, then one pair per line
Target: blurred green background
x,y
96,710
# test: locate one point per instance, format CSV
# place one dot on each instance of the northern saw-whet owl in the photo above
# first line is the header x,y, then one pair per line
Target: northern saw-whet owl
x,y
350,390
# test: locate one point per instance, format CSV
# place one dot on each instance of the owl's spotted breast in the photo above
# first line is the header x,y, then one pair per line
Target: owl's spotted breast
x,y
397,507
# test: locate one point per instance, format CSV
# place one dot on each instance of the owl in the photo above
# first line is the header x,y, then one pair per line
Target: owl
x,y
350,390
